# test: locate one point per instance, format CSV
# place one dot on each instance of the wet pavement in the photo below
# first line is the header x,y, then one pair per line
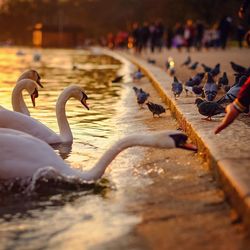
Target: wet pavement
x,y
183,207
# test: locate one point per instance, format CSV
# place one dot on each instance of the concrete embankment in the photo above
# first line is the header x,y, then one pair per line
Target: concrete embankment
x,y
228,154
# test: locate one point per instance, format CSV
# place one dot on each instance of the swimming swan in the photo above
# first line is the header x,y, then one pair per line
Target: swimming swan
x,y
22,155
18,103
27,124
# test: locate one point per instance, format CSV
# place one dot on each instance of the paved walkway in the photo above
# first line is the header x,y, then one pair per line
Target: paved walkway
x,y
227,153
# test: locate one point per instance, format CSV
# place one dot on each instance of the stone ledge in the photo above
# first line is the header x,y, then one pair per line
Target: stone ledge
x,y
227,156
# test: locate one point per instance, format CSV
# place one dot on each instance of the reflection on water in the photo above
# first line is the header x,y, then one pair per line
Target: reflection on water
x,y
70,219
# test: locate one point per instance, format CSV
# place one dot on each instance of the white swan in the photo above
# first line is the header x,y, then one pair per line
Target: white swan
x,y
18,103
22,155
27,124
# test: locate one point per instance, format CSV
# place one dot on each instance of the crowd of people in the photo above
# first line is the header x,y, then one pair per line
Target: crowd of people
x,y
196,34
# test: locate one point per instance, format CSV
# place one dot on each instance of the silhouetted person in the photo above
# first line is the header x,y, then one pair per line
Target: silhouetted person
x,y
224,29
199,34
240,33
145,34
169,37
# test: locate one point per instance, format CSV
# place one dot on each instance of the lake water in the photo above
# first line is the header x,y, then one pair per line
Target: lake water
x,y
81,218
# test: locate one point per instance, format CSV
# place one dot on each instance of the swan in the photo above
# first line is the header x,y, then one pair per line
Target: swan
x,y
22,155
18,103
27,124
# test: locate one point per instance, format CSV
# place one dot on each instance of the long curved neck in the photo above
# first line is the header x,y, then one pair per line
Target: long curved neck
x,y
18,103
64,128
134,140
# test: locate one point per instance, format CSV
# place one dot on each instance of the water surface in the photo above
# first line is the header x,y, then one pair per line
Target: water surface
x,y
72,218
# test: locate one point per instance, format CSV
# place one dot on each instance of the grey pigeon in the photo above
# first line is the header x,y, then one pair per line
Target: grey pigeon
x,y
232,93
216,70
176,87
223,81
141,95
151,61
196,80
208,109
187,61
196,90
156,109
210,88
206,68
194,66
238,68
138,75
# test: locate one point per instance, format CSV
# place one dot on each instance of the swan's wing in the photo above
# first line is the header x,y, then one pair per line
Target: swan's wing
x,y
27,124
22,155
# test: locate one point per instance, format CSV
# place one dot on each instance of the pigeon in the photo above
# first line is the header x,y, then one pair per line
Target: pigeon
x,y
216,70
238,68
151,61
208,108
170,66
156,109
187,61
194,66
223,81
206,68
138,75
141,95
176,87
210,88
196,90
118,79
232,93
196,80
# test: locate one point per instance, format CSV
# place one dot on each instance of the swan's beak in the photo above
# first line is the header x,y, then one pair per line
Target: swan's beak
x,y
84,103
33,96
84,100
188,146
180,140
39,83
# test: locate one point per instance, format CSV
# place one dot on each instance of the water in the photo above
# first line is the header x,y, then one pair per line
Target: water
x,y
72,215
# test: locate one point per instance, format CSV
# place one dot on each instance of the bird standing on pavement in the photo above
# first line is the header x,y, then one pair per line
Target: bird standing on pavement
x,y
210,88
194,66
141,95
138,75
195,81
233,91
208,109
156,109
187,61
216,70
206,68
176,87
238,68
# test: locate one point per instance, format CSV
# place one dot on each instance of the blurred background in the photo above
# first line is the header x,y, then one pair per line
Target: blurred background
x,y
70,23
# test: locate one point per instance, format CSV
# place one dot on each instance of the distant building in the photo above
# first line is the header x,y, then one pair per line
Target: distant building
x,y
54,36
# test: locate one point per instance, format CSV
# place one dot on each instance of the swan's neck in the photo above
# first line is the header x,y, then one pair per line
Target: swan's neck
x,y
18,103
134,140
64,128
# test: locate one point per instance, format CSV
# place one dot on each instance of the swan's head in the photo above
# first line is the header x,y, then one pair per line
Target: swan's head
x,y
171,139
180,141
78,93
31,87
32,75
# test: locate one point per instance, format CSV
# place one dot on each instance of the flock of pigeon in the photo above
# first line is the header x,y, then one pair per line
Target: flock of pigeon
x,y
141,95
206,85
